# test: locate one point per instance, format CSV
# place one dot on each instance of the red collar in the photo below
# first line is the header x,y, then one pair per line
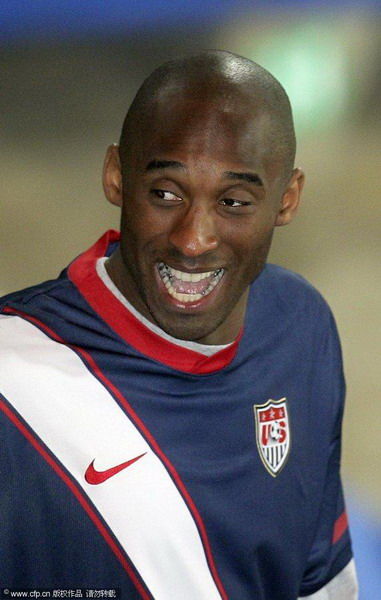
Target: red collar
x,y
83,274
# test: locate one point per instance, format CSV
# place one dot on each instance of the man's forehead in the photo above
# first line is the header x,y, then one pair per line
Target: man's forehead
x,y
206,128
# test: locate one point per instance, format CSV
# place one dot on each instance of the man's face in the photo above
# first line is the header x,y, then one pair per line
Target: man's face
x,y
199,204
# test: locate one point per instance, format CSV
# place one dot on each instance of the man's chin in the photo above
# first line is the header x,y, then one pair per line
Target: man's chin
x,y
190,328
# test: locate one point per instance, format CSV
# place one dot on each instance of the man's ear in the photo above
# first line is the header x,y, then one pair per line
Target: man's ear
x,y
112,176
291,198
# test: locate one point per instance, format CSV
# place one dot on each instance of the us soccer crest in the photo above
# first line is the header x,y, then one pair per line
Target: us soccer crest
x,y
273,434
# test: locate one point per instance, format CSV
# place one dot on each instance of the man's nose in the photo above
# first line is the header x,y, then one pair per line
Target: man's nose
x,y
194,233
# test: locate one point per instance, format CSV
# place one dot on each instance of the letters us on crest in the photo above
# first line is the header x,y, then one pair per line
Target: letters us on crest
x,y
273,434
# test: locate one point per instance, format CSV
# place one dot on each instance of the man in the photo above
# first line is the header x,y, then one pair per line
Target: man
x,y
171,407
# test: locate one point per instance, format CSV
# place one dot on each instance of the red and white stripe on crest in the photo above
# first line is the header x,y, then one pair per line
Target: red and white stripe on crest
x,y
78,420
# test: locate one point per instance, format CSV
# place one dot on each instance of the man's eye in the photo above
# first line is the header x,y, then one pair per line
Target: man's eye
x,y
167,197
231,203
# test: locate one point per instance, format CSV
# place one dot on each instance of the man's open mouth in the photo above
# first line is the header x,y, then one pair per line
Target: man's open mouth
x,y
189,287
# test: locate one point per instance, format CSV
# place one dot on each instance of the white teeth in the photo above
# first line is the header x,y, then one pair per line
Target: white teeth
x,y
167,274
194,277
184,276
184,297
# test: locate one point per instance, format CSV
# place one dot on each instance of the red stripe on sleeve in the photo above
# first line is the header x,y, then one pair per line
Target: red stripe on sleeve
x,y
341,526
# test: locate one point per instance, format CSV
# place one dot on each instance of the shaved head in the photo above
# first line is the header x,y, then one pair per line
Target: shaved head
x,y
203,174
223,82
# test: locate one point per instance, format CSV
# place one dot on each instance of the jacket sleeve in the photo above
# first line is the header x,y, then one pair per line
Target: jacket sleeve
x,y
327,567
342,587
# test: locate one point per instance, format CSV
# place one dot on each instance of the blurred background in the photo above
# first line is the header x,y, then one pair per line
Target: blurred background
x,y
68,73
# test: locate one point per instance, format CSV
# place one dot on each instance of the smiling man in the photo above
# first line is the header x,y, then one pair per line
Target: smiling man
x,y
204,173
171,405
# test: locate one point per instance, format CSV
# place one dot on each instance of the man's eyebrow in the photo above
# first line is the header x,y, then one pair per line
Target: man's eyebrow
x,y
249,177
164,164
